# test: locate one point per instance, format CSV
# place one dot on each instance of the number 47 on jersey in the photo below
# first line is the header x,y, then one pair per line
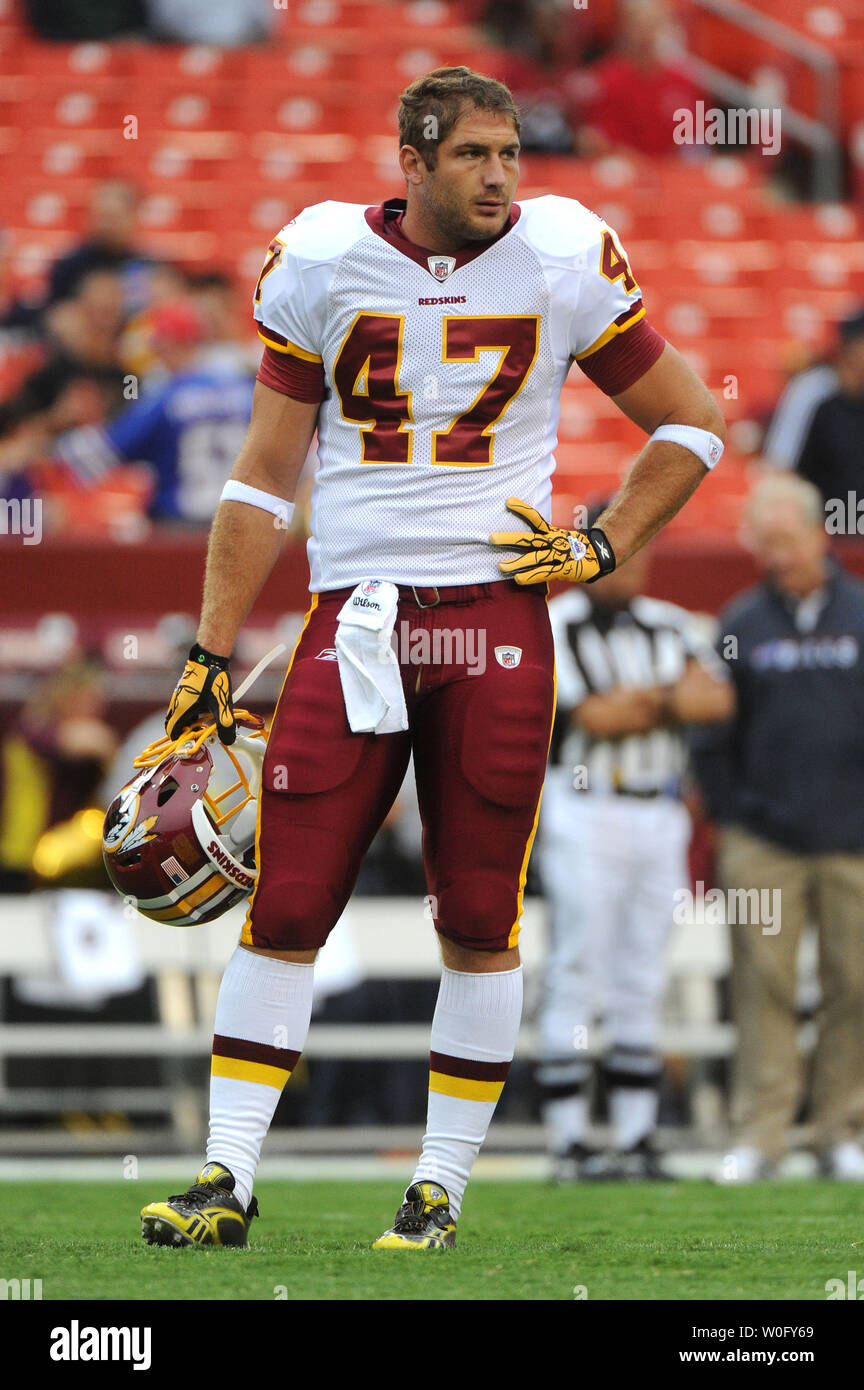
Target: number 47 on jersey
x,y
366,377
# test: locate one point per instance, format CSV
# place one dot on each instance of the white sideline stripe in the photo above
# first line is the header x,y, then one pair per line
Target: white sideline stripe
x,y
392,938
694,1164
373,1041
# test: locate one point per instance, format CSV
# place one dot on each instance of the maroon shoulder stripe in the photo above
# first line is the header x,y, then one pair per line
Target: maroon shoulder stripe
x,y
271,334
466,1068
629,312
244,1051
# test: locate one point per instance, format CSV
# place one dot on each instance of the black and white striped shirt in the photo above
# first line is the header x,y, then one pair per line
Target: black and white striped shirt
x,y
646,643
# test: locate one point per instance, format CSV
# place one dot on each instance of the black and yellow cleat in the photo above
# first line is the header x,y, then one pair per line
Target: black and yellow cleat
x,y
423,1222
208,1214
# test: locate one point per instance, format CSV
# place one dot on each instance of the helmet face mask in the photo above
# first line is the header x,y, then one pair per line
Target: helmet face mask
x,y
178,840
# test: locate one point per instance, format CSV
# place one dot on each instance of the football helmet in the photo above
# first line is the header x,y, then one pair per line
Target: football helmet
x,y
179,838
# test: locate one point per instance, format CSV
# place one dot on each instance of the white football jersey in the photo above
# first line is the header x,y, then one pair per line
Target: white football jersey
x,y
443,379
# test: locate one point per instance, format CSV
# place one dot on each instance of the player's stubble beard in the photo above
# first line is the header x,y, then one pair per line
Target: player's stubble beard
x,y
449,214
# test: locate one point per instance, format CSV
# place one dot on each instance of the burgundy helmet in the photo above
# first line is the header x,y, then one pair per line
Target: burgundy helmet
x,y
179,838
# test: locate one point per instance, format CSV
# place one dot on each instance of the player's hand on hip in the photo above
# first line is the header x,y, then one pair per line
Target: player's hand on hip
x,y
551,552
203,690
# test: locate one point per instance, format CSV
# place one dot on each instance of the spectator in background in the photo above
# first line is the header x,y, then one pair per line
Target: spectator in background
x,y
214,296
110,245
222,22
85,326
82,19
51,762
545,43
166,285
629,98
80,382
832,455
17,312
784,780
188,427
790,424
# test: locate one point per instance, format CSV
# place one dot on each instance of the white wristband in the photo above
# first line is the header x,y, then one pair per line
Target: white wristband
x,y
702,443
242,492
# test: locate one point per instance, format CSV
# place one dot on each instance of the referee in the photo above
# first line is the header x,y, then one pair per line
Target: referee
x,y
613,841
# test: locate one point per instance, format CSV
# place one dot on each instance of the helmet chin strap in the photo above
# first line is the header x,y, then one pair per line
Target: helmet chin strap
x,y
211,841
256,670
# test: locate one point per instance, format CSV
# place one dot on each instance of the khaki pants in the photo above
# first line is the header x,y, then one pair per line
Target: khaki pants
x,y
827,889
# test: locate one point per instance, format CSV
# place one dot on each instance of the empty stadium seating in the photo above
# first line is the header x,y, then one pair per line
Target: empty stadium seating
x,y
228,145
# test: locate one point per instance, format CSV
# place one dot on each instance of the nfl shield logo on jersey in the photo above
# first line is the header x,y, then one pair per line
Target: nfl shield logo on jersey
x,y
508,657
441,266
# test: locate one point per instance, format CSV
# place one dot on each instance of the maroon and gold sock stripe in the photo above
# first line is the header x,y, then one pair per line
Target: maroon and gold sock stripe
x,y
465,1079
250,1061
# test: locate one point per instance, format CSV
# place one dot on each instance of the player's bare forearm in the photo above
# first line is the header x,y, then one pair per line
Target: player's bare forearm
x,y
665,474
659,483
244,546
245,541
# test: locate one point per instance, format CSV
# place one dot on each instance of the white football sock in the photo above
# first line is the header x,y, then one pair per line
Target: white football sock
x,y
262,1018
633,1112
473,1039
566,1121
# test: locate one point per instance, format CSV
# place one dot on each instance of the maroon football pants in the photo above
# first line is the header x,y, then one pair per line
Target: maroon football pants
x,y
477,672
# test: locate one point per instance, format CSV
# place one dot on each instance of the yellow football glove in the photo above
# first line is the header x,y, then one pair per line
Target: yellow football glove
x,y
551,552
203,690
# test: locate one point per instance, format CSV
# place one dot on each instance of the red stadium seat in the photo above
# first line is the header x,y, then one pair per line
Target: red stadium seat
x,y
74,154
231,143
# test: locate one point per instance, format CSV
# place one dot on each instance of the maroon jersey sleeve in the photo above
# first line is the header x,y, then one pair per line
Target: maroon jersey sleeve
x,y
292,376
626,357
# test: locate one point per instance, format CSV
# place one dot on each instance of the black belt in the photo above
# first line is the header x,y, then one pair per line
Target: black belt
x,y
642,794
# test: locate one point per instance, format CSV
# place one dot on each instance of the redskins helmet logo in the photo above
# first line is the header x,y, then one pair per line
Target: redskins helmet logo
x,y
140,835
124,819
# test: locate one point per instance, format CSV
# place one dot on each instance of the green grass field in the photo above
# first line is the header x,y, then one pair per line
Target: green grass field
x,y
517,1240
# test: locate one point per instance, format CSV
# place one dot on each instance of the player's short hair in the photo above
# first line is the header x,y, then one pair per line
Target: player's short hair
x,y
431,106
775,489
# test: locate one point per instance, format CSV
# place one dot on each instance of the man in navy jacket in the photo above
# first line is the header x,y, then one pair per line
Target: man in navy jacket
x,y
784,779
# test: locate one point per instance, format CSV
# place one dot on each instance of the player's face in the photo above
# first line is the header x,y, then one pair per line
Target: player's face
x,y
469,192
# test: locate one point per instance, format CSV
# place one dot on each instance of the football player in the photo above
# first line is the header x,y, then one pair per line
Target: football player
x,y
427,340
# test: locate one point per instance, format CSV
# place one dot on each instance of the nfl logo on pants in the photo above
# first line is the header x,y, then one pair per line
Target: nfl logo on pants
x,y
508,657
